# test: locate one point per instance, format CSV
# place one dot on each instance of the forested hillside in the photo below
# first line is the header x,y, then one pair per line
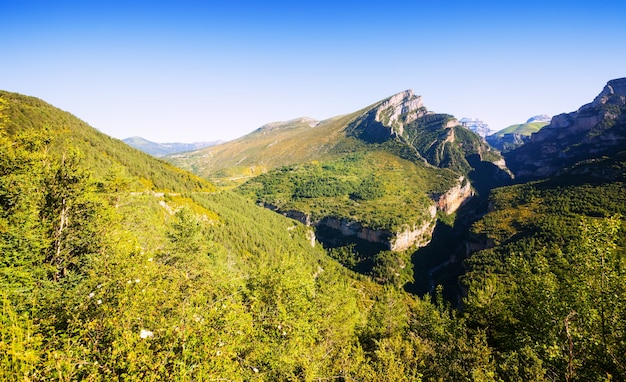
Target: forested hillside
x,y
117,266
104,278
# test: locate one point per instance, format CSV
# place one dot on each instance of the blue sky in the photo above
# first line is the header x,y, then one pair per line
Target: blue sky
x,y
182,71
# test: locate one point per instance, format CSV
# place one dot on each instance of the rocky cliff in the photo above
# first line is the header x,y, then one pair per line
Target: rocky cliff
x,y
419,234
595,129
454,198
387,119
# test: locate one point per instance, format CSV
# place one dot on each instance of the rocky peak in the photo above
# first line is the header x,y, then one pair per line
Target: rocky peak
x,y
387,118
395,111
615,90
539,118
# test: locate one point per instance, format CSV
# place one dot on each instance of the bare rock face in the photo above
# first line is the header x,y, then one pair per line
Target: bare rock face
x,y
399,109
418,235
594,129
454,198
387,119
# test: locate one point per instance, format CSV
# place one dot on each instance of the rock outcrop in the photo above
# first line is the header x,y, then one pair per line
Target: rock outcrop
x,y
419,234
387,119
597,128
454,198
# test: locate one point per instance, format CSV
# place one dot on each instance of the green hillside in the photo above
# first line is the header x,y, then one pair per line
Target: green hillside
x,y
514,136
525,129
103,154
549,292
102,278
273,145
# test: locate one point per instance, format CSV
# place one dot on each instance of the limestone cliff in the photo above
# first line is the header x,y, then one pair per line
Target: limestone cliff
x,y
454,198
387,119
595,129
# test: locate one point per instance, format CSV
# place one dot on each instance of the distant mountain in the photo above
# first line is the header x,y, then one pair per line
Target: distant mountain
x,y
596,129
539,118
514,136
161,149
476,125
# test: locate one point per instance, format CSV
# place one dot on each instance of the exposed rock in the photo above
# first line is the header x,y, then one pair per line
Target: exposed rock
x,y
387,119
454,198
595,128
539,118
418,236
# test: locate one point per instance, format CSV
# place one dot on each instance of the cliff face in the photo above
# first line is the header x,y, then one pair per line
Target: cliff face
x,y
454,198
595,129
387,119
419,234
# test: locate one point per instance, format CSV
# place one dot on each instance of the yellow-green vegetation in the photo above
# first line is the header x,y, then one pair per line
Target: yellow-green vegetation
x,y
525,129
550,292
271,146
105,155
103,279
376,188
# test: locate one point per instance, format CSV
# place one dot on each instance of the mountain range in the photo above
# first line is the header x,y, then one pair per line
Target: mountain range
x,y
386,244
162,149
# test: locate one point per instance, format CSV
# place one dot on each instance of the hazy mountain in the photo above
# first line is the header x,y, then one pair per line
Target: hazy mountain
x,y
161,149
476,125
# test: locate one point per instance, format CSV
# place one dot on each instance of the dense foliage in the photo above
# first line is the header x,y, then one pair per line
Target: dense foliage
x,y
550,293
116,266
103,280
375,188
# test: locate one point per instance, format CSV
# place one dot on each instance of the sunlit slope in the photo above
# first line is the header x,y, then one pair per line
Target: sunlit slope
x,y
273,145
101,153
399,124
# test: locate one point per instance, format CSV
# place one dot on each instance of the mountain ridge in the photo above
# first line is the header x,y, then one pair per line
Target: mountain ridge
x,y
595,128
158,150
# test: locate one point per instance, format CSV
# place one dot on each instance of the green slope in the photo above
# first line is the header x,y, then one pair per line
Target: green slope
x,y
525,129
101,153
552,279
103,279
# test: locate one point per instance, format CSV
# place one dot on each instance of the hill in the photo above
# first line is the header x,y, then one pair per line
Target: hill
x,y
104,278
103,154
514,136
161,149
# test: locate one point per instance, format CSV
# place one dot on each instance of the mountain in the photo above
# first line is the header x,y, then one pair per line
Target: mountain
x,y
539,118
514,136
476,125
549,268
118,266
305,139
377,178
162,149
594,130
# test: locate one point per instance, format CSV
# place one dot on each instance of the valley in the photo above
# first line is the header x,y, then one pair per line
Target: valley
x,y
385,244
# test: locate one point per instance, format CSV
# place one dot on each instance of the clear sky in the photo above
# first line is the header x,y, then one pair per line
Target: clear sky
x,y
183,71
